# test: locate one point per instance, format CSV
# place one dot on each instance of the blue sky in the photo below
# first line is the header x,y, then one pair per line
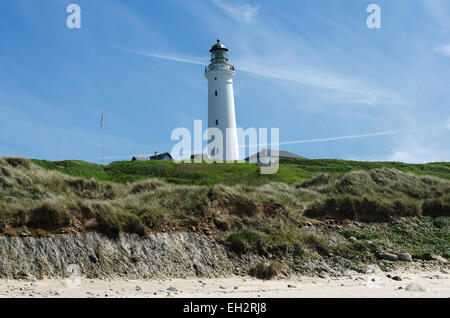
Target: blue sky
x,y
311,68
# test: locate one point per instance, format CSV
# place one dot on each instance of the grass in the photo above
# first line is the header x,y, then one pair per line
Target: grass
x,y
291,171
265,271
418,236
250,212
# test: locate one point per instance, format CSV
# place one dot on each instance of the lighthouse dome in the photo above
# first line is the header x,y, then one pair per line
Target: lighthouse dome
x,y
218,47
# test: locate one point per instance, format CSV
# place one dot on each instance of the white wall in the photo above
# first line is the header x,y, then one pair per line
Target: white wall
x,y
221,108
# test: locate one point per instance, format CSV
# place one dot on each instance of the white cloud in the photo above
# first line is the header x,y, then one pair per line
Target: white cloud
x,y
241,13
421,145
443,50
307,141
439,10
420,155
169,57
343,89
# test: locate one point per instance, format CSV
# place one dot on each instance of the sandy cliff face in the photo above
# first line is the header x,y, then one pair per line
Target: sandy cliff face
x,y
162,255
174,255
158,255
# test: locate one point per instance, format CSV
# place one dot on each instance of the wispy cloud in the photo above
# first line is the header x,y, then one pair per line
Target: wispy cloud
x,y
439,10
307,141
344,89
443,50
383,133
169,57
241,13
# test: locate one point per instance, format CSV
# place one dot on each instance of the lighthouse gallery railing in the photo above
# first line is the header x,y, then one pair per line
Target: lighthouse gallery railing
x,y
219,67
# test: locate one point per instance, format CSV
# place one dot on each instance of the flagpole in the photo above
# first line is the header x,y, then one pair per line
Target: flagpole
x,y
102,140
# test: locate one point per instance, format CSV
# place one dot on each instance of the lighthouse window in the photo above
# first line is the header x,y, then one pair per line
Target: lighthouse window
x,y
217,122
216,93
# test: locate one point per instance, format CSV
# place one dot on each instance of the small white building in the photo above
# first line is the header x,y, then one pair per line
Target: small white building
x,y
266,157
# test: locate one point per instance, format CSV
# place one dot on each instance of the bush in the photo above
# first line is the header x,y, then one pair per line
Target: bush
x,y
49,215
265,271
361,209
18,162
436,208
242,241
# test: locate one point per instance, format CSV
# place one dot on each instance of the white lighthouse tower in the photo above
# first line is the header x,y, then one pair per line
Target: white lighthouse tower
x,y
221,112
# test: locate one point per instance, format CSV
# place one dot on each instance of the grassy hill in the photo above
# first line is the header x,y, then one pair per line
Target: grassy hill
x,y
291,171
397,207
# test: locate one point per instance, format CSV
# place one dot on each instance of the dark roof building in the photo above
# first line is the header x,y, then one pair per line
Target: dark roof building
x,y
163,156
140,159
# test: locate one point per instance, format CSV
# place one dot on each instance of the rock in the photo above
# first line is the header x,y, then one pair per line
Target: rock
x,y
435,277
397,278
25,234
138,288
434,257
405,257
91,223
352,239
236,287
93,259
389,276
388,257
443,271
135,259
22,275
292,286
172,289
414,287
400,287
439,258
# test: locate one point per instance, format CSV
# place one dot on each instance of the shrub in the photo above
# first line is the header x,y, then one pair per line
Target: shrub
x,y
265,271
49,215
436,208
18,162
362,209
242,241
317,243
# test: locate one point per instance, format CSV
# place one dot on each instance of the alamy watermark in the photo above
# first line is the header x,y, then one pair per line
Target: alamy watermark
x,y
73,279
74,19
220,148
374,19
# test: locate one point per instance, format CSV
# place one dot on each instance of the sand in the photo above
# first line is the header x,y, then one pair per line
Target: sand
x,y
376,285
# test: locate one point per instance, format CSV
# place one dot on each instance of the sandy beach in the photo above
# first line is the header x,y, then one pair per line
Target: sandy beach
x,y
377,285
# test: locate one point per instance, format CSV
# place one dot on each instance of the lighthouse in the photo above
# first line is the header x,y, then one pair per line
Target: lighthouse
x,y
221,110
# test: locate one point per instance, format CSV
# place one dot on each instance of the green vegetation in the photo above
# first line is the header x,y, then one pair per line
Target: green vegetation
x,y
291,171
265,271
401,206
418,236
